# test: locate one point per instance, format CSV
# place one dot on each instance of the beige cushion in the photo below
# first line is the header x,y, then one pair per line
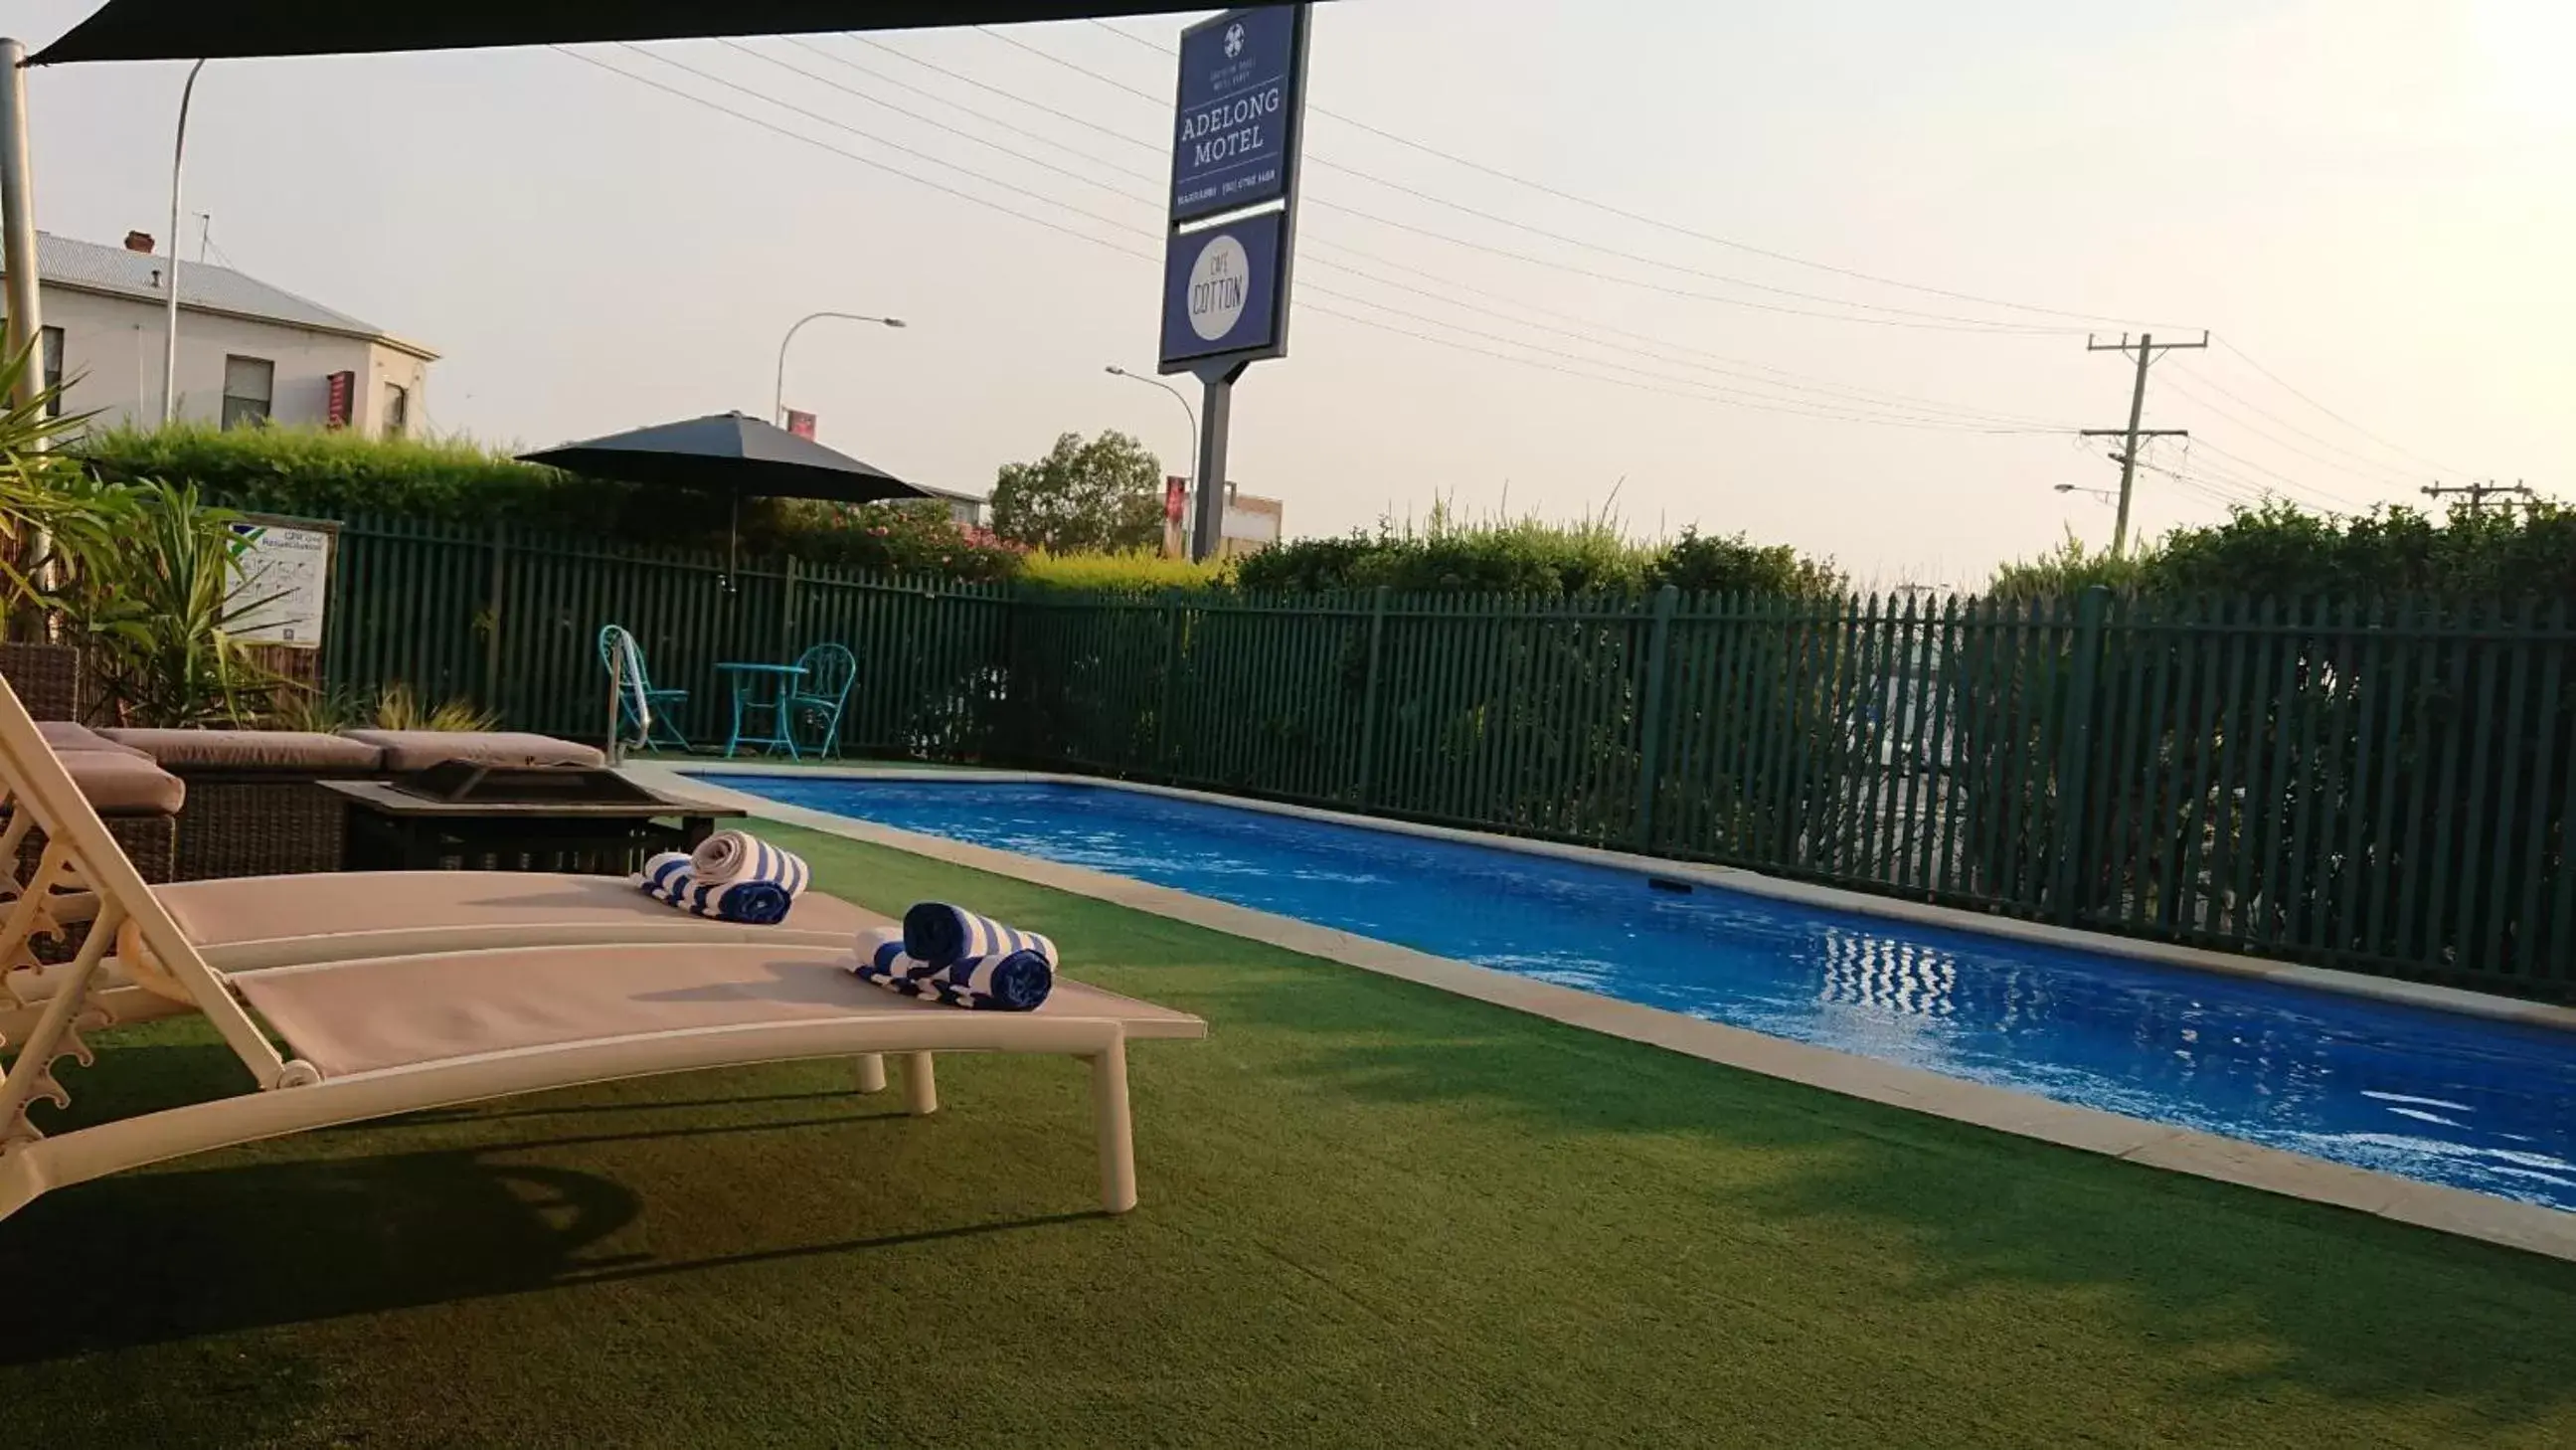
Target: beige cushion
x,y
407,751
122,783
360,1016
494,908
296,752
64,735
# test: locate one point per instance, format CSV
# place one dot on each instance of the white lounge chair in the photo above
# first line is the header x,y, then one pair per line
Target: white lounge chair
x,y
245,923
377,1036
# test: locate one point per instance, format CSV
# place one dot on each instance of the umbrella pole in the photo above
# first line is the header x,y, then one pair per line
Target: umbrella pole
x,y
733,534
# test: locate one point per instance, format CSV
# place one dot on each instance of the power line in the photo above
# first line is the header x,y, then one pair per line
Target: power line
x,y
1884,418
1905,318
2376,480
1688,389
2388,471
1744,371
2281,481
2248,359
1911,411
1661,224
1920,318
1014,97
843,151
1606,207
896,146
1114,190
1865,395
1636,282
1041,137
1640,259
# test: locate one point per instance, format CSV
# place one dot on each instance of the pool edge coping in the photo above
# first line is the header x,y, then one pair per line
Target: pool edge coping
x,y
2457,1211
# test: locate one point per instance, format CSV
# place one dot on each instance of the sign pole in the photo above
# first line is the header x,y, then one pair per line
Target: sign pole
x,y
1239,122
1216,415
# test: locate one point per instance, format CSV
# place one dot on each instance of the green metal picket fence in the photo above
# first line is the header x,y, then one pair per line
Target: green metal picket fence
x,y
2385,787
512,620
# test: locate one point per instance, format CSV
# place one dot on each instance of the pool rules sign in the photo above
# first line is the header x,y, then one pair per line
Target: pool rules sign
x,y
1237,126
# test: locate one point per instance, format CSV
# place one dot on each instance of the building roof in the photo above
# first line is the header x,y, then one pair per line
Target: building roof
x,y
203,287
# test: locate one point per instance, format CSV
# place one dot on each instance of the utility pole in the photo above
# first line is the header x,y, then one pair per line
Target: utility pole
x,y
26,330
2147,347
2478,493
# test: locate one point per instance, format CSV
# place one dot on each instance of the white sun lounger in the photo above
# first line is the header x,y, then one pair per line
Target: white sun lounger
x,y
266,921
377,1036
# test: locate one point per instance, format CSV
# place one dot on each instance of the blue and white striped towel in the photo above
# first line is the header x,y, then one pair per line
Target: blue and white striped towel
x,y
937,933
728,857
1017,980
760,899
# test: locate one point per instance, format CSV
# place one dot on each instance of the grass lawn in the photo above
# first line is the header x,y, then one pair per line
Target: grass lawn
x,y
1373,1214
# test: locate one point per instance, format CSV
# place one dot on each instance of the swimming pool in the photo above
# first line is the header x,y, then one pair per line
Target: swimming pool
x,y
2437,1096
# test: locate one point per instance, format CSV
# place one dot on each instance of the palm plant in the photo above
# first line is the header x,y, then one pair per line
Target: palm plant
x,y
159,610
52,516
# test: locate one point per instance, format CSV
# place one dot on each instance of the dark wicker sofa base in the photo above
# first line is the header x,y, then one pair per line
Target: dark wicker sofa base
x,y
255,825
152,842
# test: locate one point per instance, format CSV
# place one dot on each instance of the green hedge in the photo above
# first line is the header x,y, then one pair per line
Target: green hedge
x,y
317,474
1527,557
2283,552
321,474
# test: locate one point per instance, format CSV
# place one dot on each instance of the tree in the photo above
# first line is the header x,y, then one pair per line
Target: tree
x,y
1104,495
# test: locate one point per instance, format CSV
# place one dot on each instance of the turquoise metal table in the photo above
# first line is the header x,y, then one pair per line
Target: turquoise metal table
x,y
747,681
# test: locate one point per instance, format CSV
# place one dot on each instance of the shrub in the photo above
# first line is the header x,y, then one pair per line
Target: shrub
x,y
887,538
2279,550
322,473
2067,570
315,473
1529,556
1132,572
1705,564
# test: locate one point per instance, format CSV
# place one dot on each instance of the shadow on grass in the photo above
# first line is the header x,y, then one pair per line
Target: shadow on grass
x,y
143,1259
149,1257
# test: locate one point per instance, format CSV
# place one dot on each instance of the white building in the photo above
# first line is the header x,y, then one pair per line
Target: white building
x,y
248,351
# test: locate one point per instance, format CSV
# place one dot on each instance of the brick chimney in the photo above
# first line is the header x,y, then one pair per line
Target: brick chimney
x,y
139,242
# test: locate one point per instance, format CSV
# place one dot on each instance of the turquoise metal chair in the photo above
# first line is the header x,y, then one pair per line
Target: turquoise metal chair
x,y
820,692
640,707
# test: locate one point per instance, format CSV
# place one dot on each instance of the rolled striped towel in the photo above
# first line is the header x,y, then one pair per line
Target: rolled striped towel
x,y
1014,981
670,878
728,857
938,933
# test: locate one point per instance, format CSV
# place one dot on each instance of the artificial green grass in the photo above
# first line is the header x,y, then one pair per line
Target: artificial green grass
x,y
1373,1214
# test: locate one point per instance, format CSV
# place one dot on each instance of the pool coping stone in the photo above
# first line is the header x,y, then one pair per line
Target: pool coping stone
x,y
2459,1211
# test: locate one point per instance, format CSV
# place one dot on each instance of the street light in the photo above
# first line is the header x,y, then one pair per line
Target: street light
x,y
170,337
778,404
2103,494
1115,371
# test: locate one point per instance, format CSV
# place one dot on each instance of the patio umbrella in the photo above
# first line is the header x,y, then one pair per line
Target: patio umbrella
x,y
730,454
199,29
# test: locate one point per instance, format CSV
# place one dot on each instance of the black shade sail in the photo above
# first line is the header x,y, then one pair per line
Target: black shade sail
x,y
215,29
728,453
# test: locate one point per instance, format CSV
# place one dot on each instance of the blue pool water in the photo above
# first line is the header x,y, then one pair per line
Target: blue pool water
x,y
2477,1104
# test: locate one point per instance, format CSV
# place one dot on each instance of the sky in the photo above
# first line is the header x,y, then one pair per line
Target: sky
x,y
1821,274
